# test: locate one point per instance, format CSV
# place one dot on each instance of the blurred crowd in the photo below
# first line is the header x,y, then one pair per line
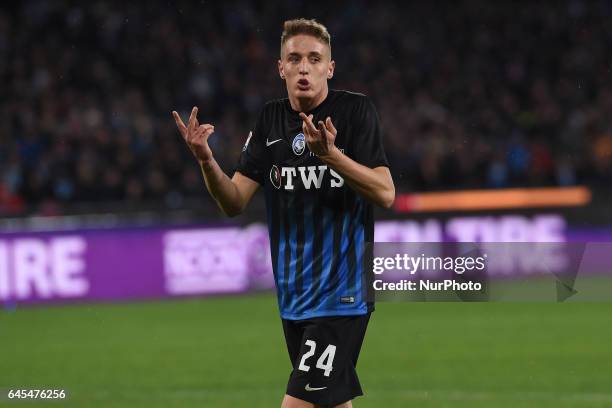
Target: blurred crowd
x,y
473,94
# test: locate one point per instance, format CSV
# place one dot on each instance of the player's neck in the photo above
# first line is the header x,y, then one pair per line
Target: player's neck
x,y
307,104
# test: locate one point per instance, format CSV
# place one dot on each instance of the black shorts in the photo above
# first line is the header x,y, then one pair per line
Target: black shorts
x,y
324,352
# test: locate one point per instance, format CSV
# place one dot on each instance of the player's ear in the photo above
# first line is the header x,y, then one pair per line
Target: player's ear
x,y
330,69
281,70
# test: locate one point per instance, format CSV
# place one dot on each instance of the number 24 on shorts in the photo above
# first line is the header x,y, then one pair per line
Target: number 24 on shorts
x,y
324,362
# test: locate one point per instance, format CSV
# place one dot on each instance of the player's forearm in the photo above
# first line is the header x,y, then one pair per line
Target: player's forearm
x,y
221,188
377,187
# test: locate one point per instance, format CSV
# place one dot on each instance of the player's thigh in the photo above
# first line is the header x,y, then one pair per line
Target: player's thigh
x,y
324,370
294,332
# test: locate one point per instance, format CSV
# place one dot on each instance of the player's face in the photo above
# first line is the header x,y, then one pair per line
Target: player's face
x,y
305,65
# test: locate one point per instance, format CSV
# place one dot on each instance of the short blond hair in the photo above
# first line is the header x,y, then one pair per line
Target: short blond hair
x,y
312,27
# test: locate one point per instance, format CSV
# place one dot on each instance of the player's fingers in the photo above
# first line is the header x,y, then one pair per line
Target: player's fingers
x,y
316,133
325,134
330,126
201,134
191,136
308,120
321,127
313,127
306,132
195,134
207,130
305,123
305,128
178,119
309,136
311,123
304,118
193,118
179,123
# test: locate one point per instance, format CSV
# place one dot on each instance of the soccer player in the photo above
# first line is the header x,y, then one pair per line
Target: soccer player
x,y
319,157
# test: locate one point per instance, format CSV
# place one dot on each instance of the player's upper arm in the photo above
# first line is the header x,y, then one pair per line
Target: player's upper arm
x,y
246,188
384,172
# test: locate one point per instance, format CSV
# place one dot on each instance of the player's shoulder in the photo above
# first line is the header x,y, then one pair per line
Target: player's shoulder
x,y
270,110
349,97
274,104
355,102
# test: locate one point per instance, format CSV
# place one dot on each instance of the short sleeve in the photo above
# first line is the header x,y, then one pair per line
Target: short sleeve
x,y
369,150
252,160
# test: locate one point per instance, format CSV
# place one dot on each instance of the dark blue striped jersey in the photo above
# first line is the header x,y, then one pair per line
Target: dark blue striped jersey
x,y
319,227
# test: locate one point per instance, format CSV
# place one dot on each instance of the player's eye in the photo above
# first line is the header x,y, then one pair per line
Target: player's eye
x,y
315,59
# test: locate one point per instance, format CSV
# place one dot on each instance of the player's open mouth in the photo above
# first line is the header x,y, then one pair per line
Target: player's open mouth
x,y
303,84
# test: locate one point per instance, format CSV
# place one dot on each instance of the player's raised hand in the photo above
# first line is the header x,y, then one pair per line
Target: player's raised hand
x,y
320,141
196,135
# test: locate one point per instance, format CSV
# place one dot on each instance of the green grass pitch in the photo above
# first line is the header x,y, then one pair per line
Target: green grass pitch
x,y
230,352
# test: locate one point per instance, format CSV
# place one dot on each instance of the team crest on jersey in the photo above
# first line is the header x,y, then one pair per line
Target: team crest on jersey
x,y
299,144
275,176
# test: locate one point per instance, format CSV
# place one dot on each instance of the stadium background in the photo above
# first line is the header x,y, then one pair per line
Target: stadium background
x,y
473,95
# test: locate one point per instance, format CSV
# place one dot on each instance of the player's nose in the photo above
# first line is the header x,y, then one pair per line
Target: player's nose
x,y
303,67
